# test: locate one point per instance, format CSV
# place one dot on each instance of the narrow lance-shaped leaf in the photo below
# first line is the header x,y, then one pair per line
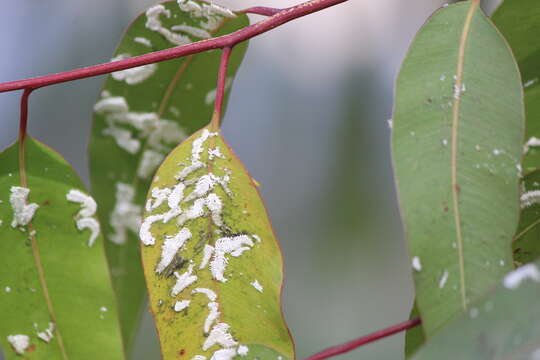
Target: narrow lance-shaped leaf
x,y
519,22
503,325
56,297
142,114
211,260
457,142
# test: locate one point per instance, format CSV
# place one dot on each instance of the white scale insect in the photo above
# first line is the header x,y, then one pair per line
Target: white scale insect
x,y
85,218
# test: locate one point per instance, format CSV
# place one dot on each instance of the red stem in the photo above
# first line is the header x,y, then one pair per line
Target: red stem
x,y
340,349
23,122
220,89
261,10
229,40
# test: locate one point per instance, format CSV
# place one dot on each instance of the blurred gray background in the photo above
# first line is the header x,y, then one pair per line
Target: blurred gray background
x,y
307,115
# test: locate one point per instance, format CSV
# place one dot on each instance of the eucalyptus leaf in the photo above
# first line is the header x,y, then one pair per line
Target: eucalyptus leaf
x,y
414,338
56,296
457,143
503,325
211,260
519,22
526,244
141,115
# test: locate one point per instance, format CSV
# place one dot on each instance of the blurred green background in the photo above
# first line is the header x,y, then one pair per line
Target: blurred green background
x,y
307,115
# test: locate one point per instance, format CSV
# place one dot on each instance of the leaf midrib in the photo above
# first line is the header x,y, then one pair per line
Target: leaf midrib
x,y
455,127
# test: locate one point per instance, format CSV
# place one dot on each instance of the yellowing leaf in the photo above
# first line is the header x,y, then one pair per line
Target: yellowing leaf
x,y
211,260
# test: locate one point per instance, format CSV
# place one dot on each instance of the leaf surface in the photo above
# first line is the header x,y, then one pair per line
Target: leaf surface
x,y
505,324
519,22
414,338
207,240
457,142
526,243
142,114
51,272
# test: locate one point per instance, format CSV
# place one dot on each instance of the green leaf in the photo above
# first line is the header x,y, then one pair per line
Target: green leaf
x,y
526,245
519,22
501,326
414,338
205,227
457,142
52,273
137,123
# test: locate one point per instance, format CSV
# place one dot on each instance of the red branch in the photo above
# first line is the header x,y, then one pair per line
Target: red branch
x,y
224,41
340,349
220,89
261,10
24,114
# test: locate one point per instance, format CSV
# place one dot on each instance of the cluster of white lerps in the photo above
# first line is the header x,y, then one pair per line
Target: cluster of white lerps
x,y
191,198
23,213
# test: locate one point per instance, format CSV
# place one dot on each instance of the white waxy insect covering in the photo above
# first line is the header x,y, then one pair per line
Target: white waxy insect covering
x,y
125,215
181,305
154,23
219,335
225,246
530,198
134,75
160,134
215,153
224,354
443,279
213,315
22,212
149,163
19,343
257,286
144,232
513,279
183,281
47,334
109,104
212,296
85,217
416,263
207,255
170,248
243,350
532,142
199,357
192,31
143,41
159,196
